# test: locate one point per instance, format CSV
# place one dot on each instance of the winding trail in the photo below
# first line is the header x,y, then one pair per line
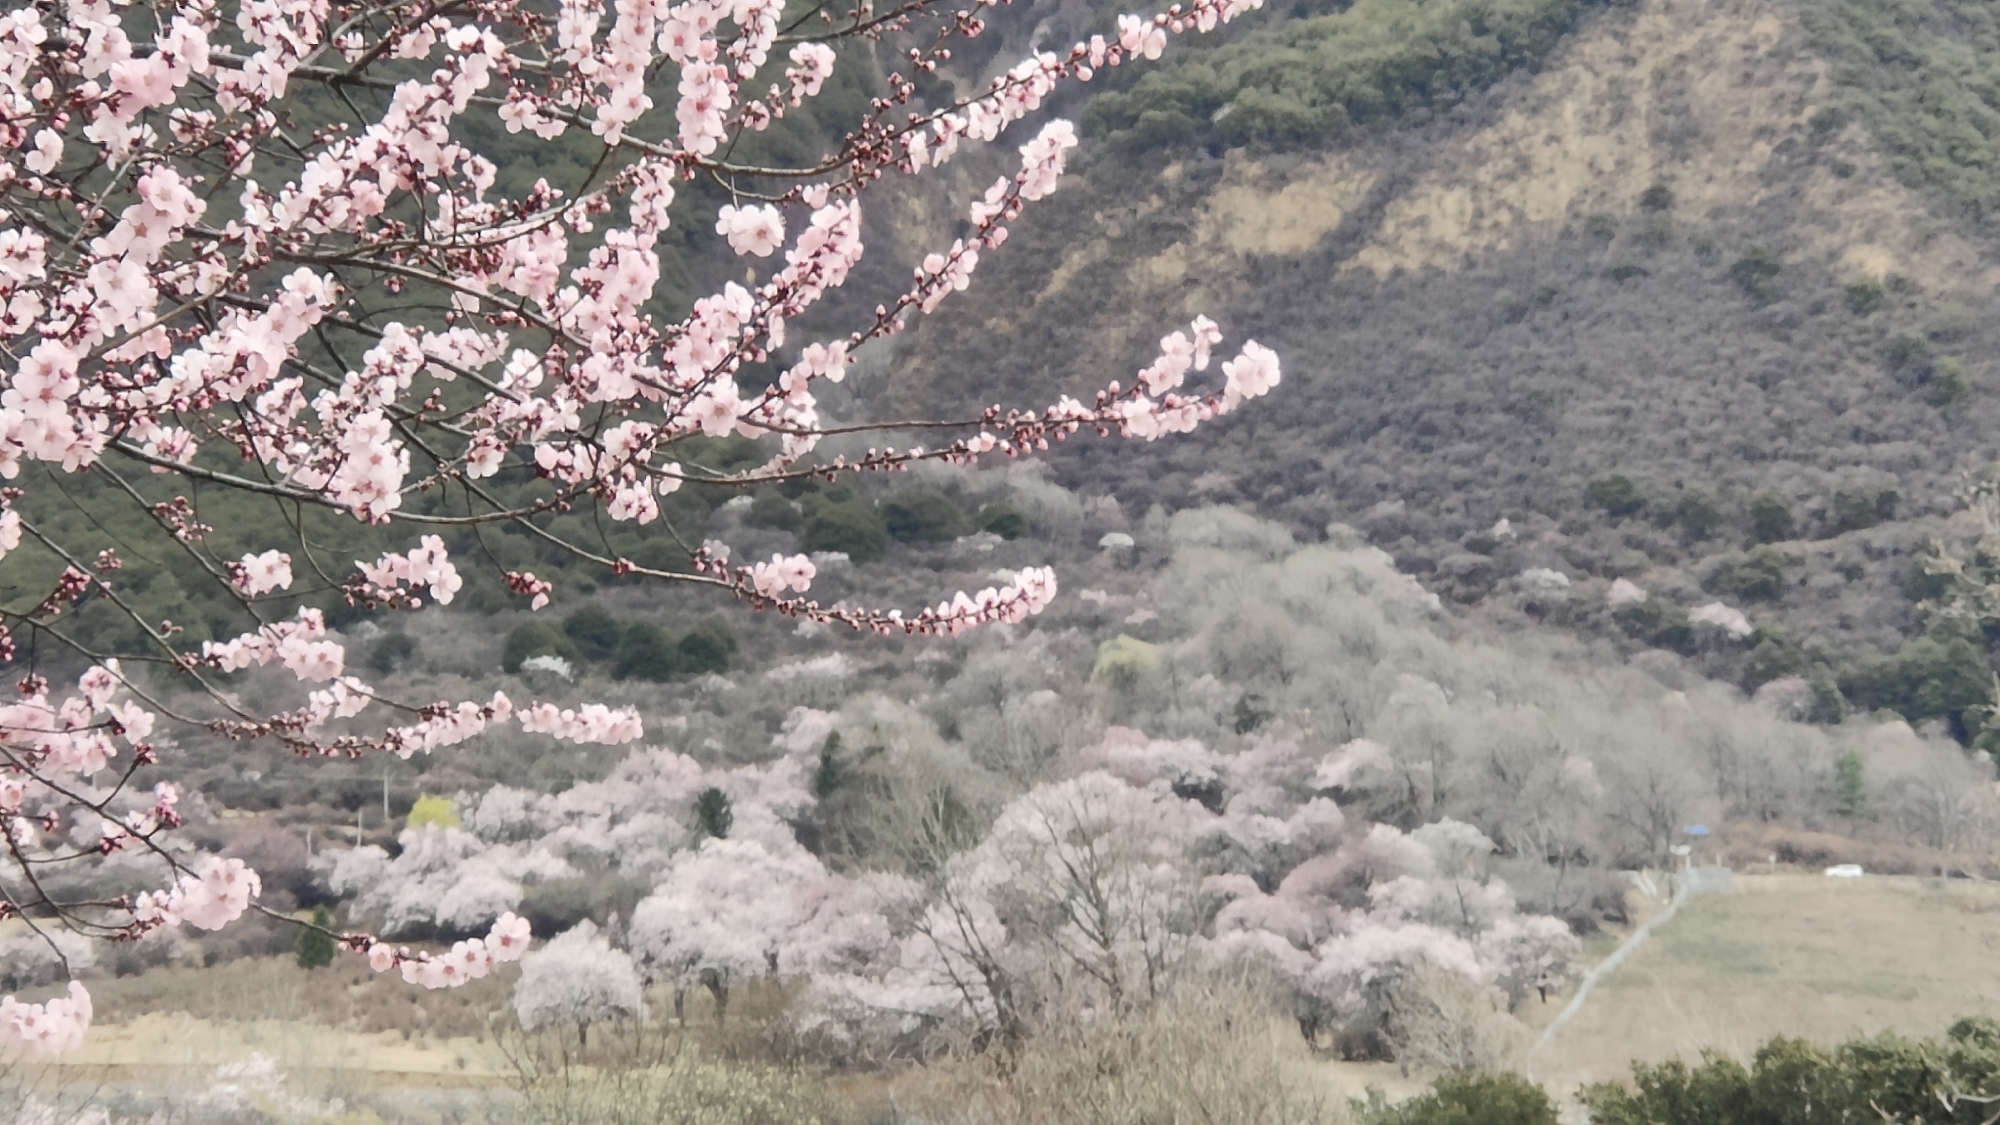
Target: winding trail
x,y
1604,968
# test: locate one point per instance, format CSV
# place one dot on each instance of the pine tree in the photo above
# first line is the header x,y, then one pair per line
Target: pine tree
x,y
1848,794
316,944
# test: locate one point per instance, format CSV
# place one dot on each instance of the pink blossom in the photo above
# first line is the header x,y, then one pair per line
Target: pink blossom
x,y
44,1030
259,574
758,230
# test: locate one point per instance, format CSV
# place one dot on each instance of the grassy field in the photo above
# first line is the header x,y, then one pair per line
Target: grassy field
x,y
1798,955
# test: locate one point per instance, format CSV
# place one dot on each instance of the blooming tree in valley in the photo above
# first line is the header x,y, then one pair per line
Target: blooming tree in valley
x,y
1088,896
579,979
256,248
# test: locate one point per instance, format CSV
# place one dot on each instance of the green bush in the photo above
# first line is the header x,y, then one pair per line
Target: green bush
x,y
1863,296
1850,790
1772,658
832,772
1675,632
713,815
922,516
1004,520
1935,676
1857,510
1792,1082
662,555
1468,1099
1616,494
1770,518
645,653
594,632
1949,386
1756,576
771,510
392,652
1824,703
849,527
706,648
1697,515
1659,197
536,638
1756,272
1907,354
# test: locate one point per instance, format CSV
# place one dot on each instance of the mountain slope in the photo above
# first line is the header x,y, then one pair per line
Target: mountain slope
x,y
1672,256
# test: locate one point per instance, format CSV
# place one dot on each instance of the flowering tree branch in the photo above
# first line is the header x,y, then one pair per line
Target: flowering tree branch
x,y
218,225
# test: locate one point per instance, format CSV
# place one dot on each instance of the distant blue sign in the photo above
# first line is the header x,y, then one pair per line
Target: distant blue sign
x,y
1696,830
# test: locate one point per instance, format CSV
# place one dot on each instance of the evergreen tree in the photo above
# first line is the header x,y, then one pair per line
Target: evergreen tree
x,y
315,944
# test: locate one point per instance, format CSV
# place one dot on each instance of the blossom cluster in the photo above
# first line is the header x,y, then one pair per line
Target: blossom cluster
x,y
210,899
46,1029
467,960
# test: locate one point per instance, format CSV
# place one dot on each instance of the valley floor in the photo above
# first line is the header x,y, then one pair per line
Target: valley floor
x,y
1799,955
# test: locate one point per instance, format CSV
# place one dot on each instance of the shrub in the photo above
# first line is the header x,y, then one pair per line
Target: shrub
x,y
1849,785
536,638
1698,516
1864,296
1675,632
1755,272
1123,661
1772,658
1759,575
1659,197
1791,1082
1856,510
712,813
848,527
1824,703
1770,518
831,773
1949,386
1617,495
663,555
1907,354
922,516
1932,677
771,510
645,653
706,648
594,632
432,810
315,944
392,652
1469,1099
1004,520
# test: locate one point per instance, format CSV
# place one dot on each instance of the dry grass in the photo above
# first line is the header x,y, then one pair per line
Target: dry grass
x,y
344,996
1799,955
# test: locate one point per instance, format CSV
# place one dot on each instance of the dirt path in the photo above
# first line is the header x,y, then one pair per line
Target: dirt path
x,y
1603,969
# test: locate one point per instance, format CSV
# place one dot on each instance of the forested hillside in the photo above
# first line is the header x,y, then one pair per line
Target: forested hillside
x,y
1697,296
